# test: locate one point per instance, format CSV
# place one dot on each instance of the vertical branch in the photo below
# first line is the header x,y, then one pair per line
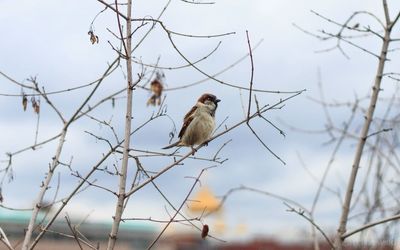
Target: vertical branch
x,y
339,239
120,28
43,189
252,74
128,119
386,11
55,162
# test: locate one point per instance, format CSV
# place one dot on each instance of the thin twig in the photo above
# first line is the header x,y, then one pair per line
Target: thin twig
x,y
301,213
372,224
175,163
251,75
73,231
179,208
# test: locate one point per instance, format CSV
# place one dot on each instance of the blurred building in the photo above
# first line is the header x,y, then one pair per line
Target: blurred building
x,y
136,235
132,235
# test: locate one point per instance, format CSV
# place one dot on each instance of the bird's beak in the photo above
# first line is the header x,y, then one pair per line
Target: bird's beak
x,y
217,100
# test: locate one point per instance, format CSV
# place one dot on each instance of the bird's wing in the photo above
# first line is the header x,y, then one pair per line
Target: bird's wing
x,y
187,120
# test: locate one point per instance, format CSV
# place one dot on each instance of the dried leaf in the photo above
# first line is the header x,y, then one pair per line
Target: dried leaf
x,y
24,101
33,101
10,175
204,232
152,100
93,38
156,87
35,105
37,108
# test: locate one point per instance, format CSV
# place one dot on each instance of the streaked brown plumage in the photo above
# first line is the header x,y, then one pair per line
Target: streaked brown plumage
x,y
198,123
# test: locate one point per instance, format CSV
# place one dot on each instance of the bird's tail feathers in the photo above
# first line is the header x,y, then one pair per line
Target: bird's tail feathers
x,y
172,145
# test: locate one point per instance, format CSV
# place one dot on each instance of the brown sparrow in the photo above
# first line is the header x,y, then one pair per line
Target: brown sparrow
x,y
198,123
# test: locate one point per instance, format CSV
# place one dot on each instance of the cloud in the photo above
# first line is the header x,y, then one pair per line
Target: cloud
x,y
50,40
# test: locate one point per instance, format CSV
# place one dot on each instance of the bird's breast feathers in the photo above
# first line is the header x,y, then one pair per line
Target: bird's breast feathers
x,y
199,129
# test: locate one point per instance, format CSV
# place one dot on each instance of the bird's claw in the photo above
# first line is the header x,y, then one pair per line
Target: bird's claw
x,y
193,150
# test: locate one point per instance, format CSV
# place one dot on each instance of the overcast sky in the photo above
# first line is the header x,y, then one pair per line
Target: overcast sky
x,y
49,40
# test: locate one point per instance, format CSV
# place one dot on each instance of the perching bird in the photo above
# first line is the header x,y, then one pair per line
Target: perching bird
x,y
198,123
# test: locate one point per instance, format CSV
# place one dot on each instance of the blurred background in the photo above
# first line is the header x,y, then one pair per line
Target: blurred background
x,y
241,199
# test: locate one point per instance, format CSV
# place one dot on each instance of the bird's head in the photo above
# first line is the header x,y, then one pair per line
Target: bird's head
x,y
209,102
209,99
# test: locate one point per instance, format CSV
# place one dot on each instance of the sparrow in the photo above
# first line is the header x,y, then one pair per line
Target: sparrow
x,y
198,123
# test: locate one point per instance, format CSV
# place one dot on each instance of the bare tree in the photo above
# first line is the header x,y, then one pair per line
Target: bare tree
x,y
372,127
371,195
124,148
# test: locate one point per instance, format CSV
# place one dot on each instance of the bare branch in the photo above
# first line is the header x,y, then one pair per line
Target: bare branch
x,y
362,139
369,225
175,163
194,2
301,213
4,239
179,208
251,75
73,231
